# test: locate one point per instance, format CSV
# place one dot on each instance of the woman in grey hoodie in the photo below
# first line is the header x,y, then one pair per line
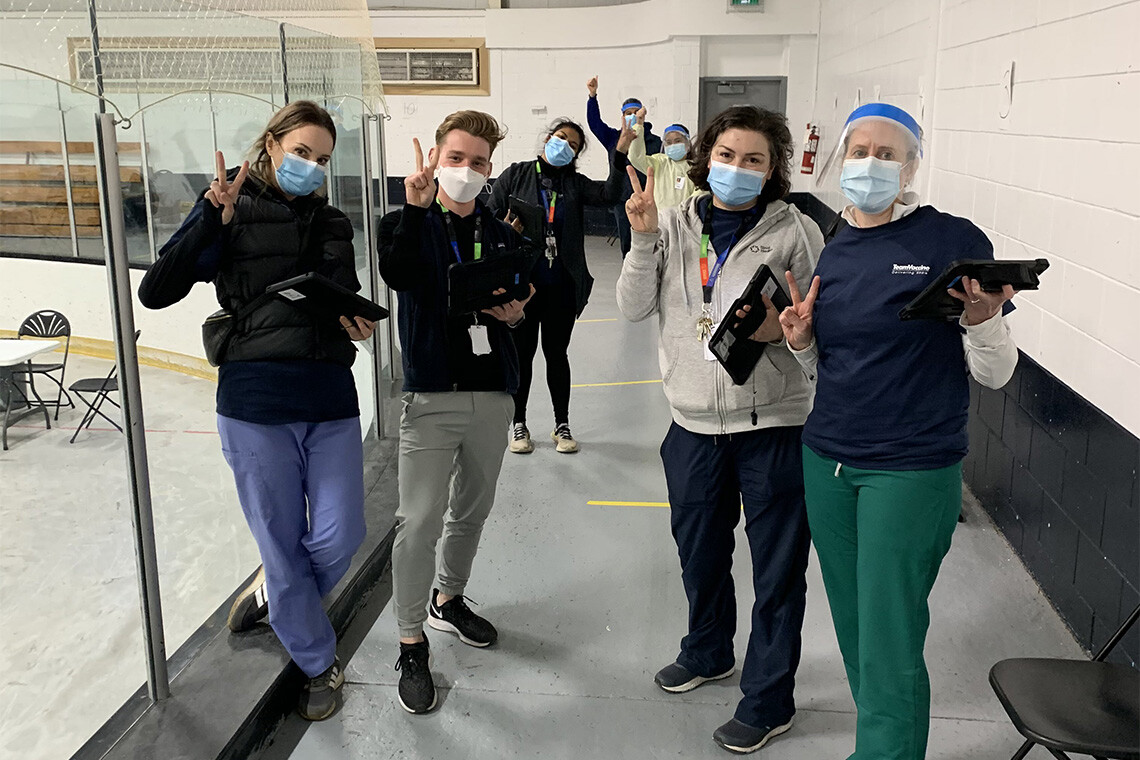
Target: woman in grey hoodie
x,y
730,444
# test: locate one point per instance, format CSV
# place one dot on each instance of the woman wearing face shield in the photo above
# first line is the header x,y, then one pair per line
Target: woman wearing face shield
x,y
560,276
730,444
885,439
671,182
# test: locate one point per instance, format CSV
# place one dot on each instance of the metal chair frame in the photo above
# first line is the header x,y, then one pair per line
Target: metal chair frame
x,y
48,324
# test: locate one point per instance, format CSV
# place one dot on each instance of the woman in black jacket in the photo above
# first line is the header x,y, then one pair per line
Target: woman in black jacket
x,y
287,407
561,276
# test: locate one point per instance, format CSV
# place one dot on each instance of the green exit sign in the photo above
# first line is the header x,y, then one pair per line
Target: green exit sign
x,y
746,5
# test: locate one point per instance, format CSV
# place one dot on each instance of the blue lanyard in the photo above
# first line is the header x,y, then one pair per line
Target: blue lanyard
x,y
451,232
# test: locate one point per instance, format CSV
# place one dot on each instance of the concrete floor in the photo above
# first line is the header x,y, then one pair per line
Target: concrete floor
x,y
71,644
589,605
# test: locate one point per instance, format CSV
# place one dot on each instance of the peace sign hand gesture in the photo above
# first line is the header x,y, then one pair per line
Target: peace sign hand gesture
x,y
796,319
222,193
641,208
420,186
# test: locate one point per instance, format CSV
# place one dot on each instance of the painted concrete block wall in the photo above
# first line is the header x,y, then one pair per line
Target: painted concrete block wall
x,y
1054,177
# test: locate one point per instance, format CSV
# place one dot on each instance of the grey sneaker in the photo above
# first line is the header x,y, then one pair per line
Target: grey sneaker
x,y
319,695
741,738
520,439
564,439
251,605
676,679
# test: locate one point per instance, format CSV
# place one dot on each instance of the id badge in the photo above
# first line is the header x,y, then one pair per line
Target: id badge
x,y
709,356
679,183
480,342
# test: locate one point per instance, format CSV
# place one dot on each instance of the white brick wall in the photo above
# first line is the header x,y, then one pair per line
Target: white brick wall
x,y
1055,178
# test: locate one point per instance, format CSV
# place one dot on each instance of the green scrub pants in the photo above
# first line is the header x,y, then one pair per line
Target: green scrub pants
x,y
881,536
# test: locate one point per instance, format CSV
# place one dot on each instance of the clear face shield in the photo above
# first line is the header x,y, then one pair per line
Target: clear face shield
x,y
875,158
675,142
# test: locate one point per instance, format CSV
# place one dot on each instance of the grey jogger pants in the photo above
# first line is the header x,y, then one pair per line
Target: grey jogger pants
x,y
451,451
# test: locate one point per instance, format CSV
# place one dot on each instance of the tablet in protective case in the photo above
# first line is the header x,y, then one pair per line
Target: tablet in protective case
x,y
935,303
325,299
731,344
471,285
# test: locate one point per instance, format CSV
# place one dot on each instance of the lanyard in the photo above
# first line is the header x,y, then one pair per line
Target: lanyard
x,y
549,201
451,232
709,278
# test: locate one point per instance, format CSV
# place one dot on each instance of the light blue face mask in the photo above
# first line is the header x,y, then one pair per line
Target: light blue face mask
x,y
872,184
558,152
631,120
734,186
676,151
296,176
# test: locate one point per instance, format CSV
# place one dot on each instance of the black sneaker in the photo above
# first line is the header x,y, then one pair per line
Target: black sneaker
x,y
456,617
416,690
676,679
319,695
742,738
251,605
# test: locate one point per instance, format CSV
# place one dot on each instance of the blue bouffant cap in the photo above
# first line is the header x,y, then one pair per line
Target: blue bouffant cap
x,y
891,113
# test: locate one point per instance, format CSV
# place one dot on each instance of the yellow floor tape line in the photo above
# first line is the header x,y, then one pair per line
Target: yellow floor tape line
x,y
605,385
628,503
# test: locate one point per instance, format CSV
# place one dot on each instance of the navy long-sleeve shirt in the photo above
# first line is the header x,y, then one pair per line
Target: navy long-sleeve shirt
x,y
608,136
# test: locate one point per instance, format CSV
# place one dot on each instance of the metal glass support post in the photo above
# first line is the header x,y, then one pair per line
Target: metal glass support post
x,y
383,175
66,157
379,382
126,355
145,170
284,63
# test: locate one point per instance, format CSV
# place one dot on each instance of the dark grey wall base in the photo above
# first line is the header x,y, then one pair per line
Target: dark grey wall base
x,y
229,692
1059,478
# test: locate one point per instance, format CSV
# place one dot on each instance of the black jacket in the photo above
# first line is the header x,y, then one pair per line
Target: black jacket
x,y
415,254
575,192
269,239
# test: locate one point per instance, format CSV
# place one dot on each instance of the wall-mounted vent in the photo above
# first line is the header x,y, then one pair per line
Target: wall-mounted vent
x,y
429,66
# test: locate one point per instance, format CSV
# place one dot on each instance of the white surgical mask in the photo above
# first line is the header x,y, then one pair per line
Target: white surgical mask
x,y
461,183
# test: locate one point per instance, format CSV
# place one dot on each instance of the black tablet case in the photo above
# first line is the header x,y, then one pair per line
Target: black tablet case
x,y
731,344
325,299
935,303
471,284
532,216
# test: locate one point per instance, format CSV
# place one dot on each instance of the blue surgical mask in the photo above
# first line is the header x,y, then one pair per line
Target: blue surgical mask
x,y
734,186
296,176
872,184
558,152
676,151
631,120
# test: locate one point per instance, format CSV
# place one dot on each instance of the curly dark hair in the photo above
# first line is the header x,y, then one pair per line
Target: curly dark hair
x,y
774,127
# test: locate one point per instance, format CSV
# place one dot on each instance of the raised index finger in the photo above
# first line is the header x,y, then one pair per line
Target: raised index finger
x,y
649,181
633,180
793,288
239,180
419,154
813,293
220,162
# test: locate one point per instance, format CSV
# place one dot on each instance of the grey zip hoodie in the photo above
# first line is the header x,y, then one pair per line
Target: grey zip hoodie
x,y
662,276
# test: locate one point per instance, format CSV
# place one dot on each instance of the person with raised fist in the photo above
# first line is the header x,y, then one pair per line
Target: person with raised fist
x,y
287,407
730,444
459,376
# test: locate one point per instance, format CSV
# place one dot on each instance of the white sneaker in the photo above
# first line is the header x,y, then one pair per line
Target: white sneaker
x,y
520,439
564,439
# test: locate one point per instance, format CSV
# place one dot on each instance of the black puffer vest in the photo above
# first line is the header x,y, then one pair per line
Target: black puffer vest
x,y
269,240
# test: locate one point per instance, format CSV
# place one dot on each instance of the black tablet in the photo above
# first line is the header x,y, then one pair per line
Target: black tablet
x,y
533,218
935,303
731,344
325,299
471,285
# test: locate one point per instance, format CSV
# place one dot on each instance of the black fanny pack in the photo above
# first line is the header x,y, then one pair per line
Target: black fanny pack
x,y
218,329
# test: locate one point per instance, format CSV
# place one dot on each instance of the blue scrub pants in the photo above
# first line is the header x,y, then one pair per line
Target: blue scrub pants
x,y
301,487
708,476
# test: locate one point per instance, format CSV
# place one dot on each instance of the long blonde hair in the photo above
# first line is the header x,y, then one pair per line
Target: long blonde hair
x,y
299,113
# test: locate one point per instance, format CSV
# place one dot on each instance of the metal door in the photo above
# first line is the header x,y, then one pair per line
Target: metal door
x,y
719,93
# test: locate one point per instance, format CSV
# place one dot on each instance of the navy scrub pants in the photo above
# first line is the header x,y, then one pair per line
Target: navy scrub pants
x,y
708,476
301,487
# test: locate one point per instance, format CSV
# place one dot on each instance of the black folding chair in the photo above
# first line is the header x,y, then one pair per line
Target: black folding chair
x,y
100,389
1088,707
47,324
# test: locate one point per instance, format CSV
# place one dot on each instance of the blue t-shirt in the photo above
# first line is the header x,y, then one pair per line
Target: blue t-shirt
x,y
891,395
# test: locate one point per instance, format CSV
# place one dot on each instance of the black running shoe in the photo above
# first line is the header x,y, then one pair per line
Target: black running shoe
x,y
251,605
456,617
741,738
319,695
676,679
416,690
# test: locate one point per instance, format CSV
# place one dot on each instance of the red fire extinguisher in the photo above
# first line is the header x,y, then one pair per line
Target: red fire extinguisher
x,y
811,146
